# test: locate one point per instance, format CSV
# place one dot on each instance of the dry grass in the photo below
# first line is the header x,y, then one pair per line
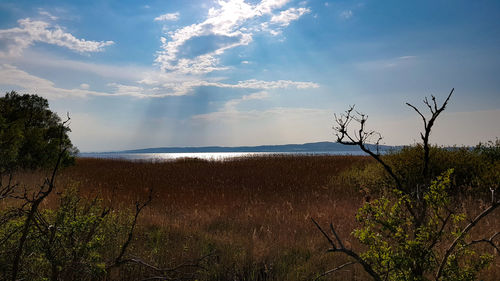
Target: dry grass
x,y
255,212
257,208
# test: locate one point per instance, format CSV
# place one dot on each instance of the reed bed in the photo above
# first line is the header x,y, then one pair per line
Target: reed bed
x,y
254,213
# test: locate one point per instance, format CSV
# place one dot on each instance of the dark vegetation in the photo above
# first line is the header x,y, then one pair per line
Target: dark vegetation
x,y
241,219
31,136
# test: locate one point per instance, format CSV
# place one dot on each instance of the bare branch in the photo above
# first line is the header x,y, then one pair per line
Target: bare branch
x,y
174,273
336,236
419,113
324,234
361,138
435,111
340,248
138,208
35,203
464,231
488,241
334,270
441,229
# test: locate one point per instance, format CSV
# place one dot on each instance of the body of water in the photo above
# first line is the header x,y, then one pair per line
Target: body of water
x,y
204,155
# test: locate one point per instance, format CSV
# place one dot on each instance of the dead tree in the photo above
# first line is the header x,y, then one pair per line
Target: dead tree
x,y
418,210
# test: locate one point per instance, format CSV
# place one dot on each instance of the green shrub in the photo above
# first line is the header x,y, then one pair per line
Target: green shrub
x,y
474,169
71,242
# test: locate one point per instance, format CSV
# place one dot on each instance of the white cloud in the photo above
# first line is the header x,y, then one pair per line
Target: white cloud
x,y
12,76
233,20
49,61
376,65
231,104
31,31
168,17
285,17
127,90
182,87
173,86
259,84
407,57
345,15
47,14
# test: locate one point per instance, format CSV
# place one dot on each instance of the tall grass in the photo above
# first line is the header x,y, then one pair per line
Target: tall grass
x,y
253,213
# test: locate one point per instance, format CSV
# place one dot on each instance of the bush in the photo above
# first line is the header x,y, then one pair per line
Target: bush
x,y
400,250
475,170
414,230
71,242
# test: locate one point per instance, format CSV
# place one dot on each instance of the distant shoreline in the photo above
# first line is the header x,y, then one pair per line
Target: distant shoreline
x,y
316,147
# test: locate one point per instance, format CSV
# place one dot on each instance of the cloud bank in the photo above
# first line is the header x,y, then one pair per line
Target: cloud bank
x,y
233,23
31,31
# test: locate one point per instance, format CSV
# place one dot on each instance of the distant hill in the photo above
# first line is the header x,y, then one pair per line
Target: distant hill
x,y
306,147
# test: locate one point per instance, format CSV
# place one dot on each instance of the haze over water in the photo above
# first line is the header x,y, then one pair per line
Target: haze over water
x,y
205,155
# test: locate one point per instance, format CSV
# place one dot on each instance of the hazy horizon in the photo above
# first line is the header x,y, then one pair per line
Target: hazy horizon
x,y
253,72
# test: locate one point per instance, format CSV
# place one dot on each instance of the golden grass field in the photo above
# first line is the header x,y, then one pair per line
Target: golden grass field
x,y
253,213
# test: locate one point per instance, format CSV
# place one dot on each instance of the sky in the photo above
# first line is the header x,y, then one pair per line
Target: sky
x,y
138,74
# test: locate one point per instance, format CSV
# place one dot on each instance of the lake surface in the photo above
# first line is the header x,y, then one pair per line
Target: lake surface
x,y
204,155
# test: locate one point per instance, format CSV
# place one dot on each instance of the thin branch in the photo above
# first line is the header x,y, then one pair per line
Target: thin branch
x,y
336,236
138,208
428,125
419,113
170,273
451,248
440,232
35,202
324,234
488,241
335,269
343,137
366,266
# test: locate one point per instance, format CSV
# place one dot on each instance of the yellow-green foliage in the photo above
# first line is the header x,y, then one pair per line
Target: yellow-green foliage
x,y
70,242
399,248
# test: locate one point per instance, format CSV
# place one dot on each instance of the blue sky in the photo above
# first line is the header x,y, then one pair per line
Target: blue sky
x,y
136,74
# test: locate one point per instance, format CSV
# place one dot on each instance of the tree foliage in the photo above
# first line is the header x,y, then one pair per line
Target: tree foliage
x,y
31,135
79,239
415,230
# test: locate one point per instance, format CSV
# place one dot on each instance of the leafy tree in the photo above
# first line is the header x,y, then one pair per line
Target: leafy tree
x,y
414,230
31,135
78,239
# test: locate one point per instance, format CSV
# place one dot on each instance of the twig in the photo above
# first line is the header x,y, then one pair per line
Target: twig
x,y
340,248
138,208
461,236
35,202
333,270
488,241
435,111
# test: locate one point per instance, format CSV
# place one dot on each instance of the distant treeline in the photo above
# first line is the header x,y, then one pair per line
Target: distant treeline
x,y
306,147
